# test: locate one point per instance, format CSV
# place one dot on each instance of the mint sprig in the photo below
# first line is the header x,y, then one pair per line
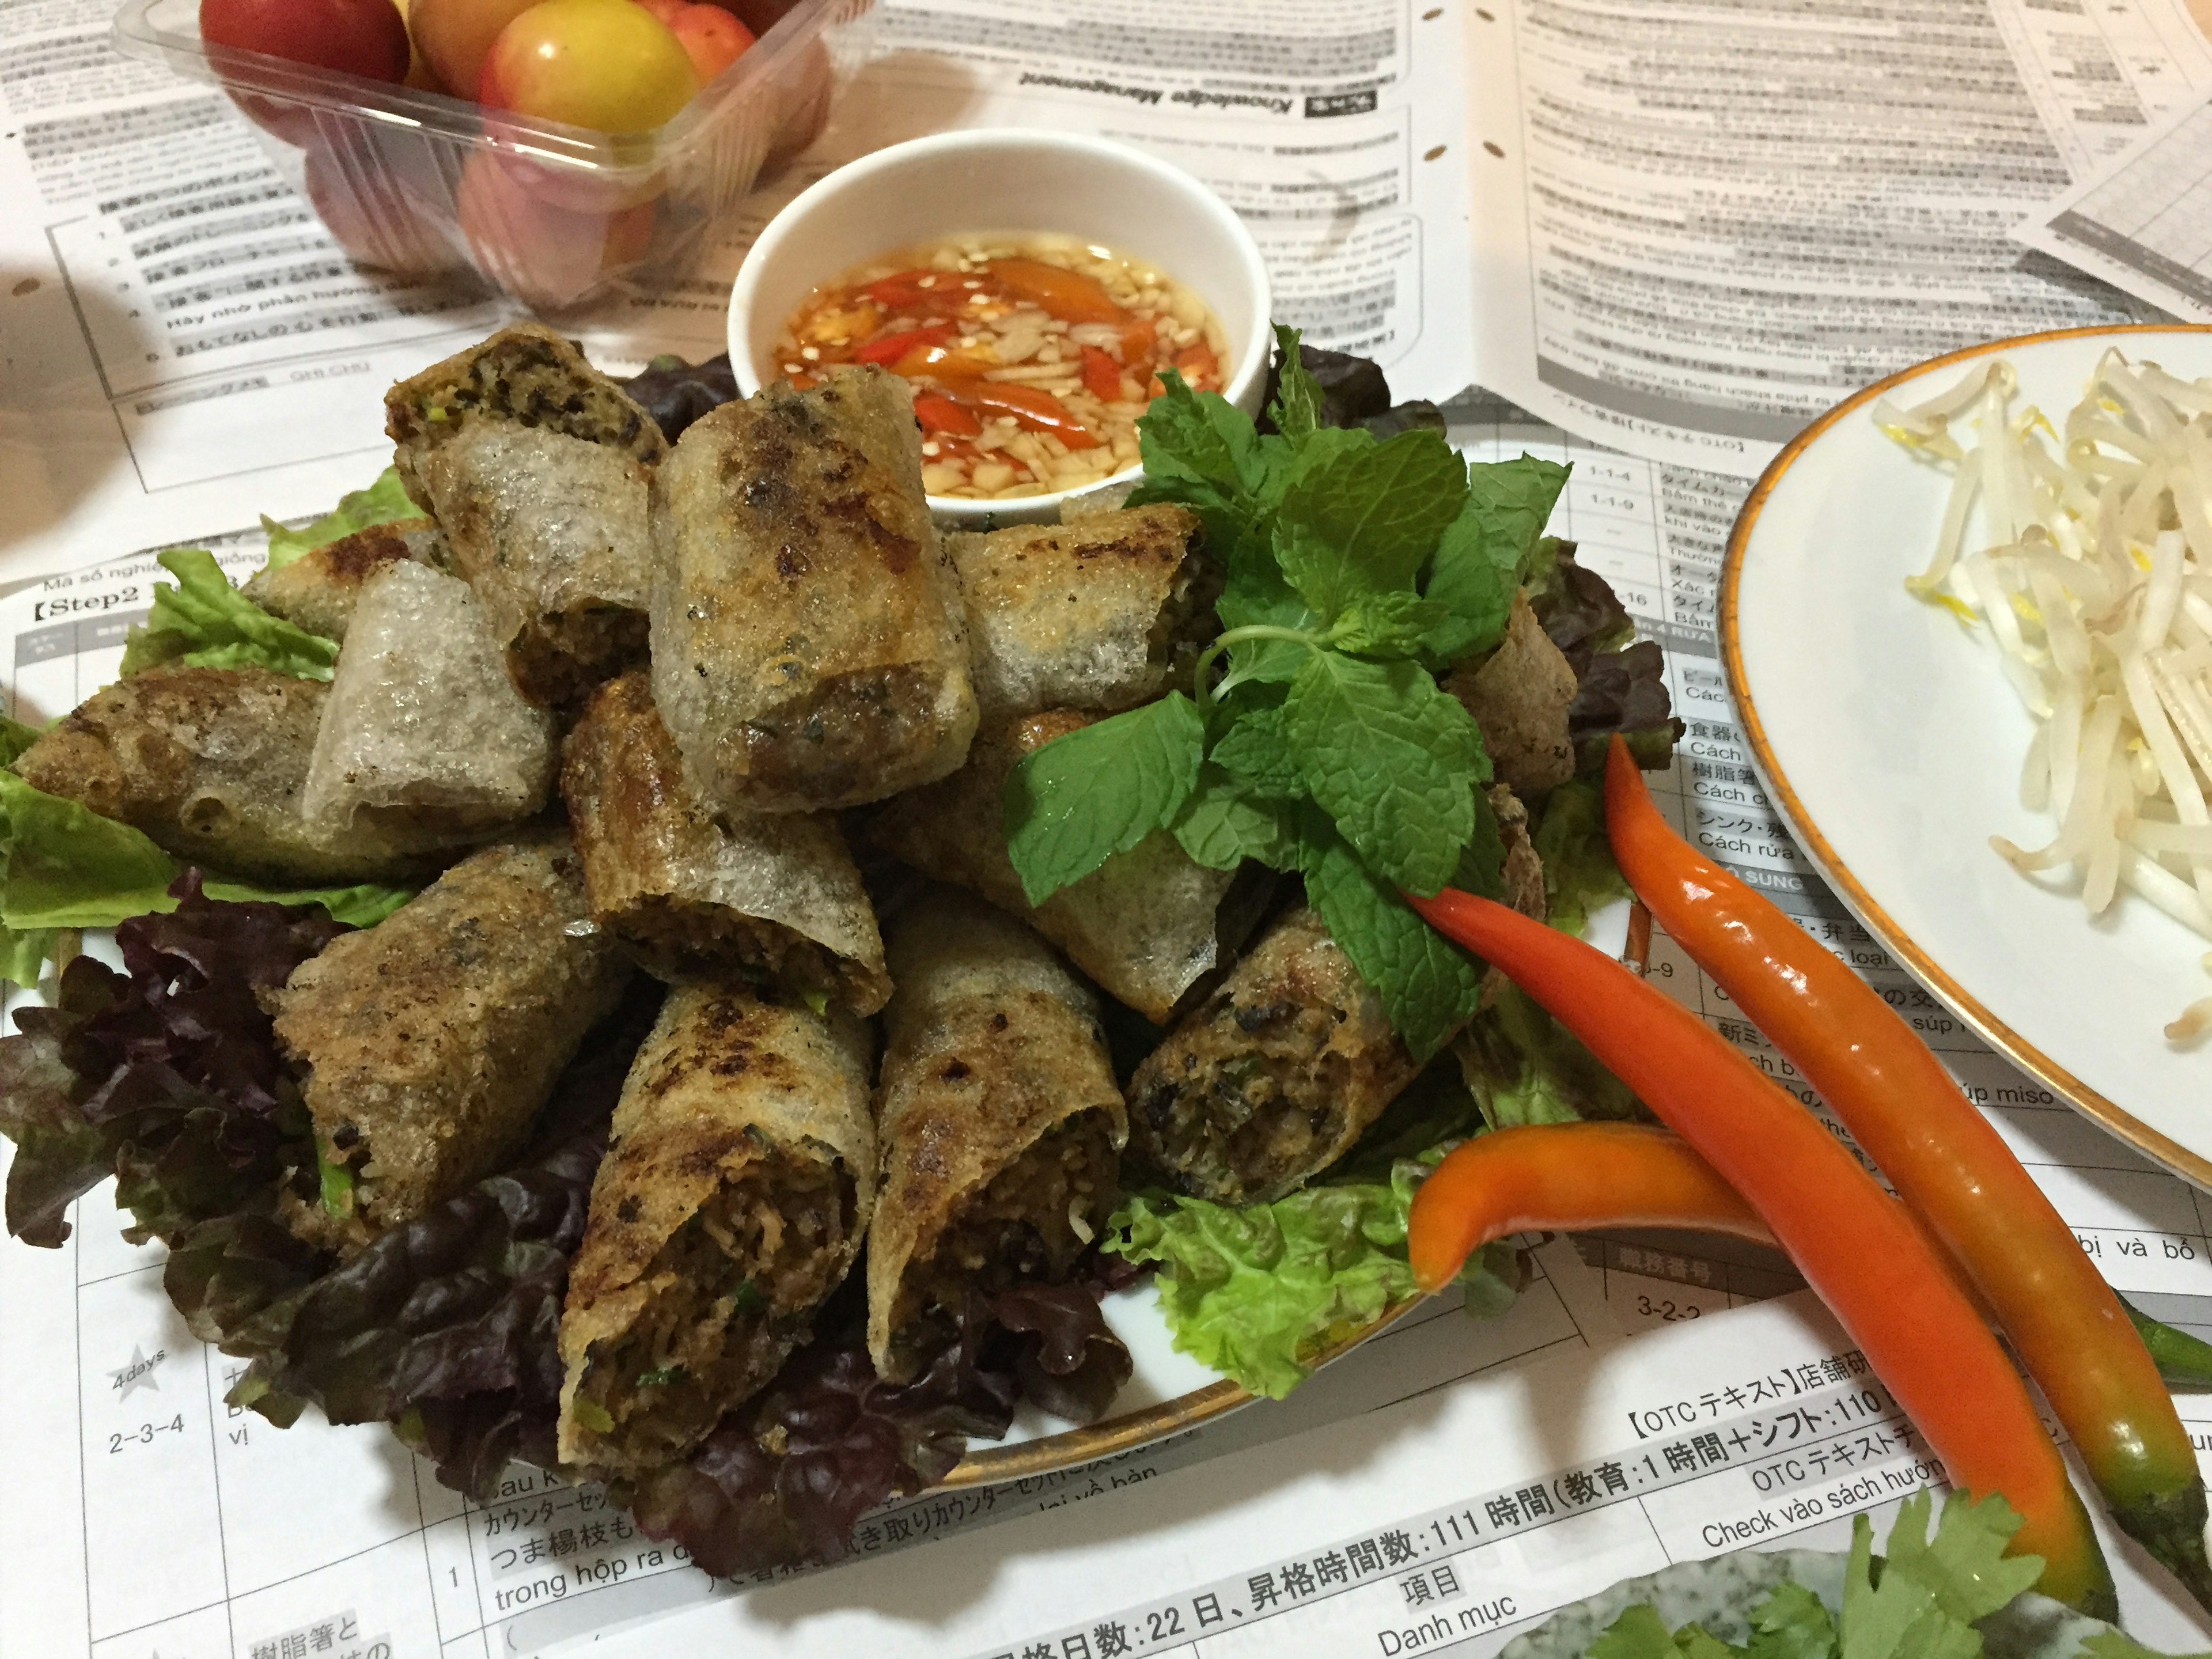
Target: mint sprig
x,y
1315,736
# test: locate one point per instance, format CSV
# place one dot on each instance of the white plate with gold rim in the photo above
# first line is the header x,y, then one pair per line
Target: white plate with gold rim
x,y
1890,744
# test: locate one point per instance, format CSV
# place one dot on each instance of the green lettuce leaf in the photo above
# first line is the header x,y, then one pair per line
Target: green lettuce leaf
x,y
1579,873
382,502
204,622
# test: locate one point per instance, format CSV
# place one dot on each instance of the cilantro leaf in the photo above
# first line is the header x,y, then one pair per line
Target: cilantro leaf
x,y
1792,1623
1297,408
382,502
204,622
1224,822
1258,751
1483,555
1393,759
1074,803
1366,519
2118,1644
1638,1633
1964,1566
1429,986
1398,623
1899,1620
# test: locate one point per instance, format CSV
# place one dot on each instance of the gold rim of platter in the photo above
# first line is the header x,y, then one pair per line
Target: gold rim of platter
x,y
1893,939
1049,1453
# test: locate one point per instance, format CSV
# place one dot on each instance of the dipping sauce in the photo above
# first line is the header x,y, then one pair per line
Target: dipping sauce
x,y
1032,356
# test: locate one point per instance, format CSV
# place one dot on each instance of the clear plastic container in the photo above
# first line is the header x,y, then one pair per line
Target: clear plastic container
x,y
558,216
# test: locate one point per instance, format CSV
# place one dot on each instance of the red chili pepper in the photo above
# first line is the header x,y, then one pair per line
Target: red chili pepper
x,y
889,348
1068,296
1949,1164
904,288
938,413
1102,375
1565,1176
1039,412
1198,366
1889,1289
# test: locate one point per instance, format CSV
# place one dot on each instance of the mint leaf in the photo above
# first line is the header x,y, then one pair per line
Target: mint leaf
x,y
1481,867
1792,1623
1258,752
1200,436
1391,757
1223,823
1638,1633
1297,408
1429,986
1259,597
1365,519
1074,803
1484,554
1397,623
382,502
1512,501
1964,1566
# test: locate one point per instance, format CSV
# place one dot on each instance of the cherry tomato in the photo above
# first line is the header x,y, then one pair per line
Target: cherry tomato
x,y
1102,375
1067,295
607,64
379,207
367,38
939,414
453,36
546,254
714,37
666,10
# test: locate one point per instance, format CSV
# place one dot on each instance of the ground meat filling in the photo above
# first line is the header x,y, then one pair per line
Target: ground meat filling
x,y
1186,622
1022,1226
1240,1121
730,1294
684,937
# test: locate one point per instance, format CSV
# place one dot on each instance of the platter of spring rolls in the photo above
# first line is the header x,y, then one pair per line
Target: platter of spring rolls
x,y
693,753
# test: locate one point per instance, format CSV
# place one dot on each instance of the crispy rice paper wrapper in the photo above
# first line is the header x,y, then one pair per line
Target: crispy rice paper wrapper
x,y
733,1200
764,897
1148,924
536,468
429,1042
1102,614
1272,1078
422,723
318,590
808,648
1000,1120
212,764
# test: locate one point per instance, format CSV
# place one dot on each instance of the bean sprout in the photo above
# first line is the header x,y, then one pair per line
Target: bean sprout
x,y
2086,551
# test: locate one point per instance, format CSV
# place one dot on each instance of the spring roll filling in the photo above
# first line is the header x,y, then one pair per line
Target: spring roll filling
x,y
1029,1222
728,1296
709,938
1260,1108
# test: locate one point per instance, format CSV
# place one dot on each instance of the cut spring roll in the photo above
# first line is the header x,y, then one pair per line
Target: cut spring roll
x,y
318,590
1102,614
770,897
423,724
428,1043
808,650
211,763
537,469
1274,1076
1001,1124
733,1199
1148,924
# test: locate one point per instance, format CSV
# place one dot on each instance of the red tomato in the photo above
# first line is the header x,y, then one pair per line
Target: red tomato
x,y
714,37
607,64
377,206
453,36
367,38
547,255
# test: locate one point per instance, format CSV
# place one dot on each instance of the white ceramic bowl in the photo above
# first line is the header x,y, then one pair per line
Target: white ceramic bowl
x,y
1008,180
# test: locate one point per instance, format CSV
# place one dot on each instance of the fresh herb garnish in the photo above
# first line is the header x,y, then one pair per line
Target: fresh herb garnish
x,y
382,502
202,622
1315,736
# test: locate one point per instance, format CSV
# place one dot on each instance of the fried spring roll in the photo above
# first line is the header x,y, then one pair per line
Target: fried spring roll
x,y
1274,1076
770,896
1147,925
423,724
536,468
733,1200
318,590
1001,1124
1102,614
428,1043
808,650
211,763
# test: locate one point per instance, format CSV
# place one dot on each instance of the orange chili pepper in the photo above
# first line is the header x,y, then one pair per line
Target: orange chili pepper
x,y
1198,363
889,348
1137,341
1887,1288
938,413
1949,1164
1102,375
1067,295
1565,1177
1039,412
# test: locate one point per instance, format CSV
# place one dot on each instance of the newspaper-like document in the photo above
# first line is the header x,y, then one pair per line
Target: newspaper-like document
x,y
1671,230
